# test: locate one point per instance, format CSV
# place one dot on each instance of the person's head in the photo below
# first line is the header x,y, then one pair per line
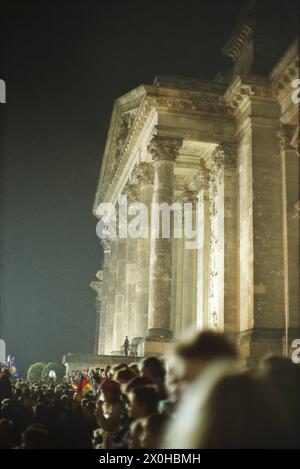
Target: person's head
x,y
224,408
136,383
76,404
191,356
84,402
6,434
89,410
111,391
107,373
123,377
40,411
97,439
35,437
153,369
153,428
65,402
7,401
239,415
27,398
135,368
143,401
274,366
118,367
5,375
7,411
281,378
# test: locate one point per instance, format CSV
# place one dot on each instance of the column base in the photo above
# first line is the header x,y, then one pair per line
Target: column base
x,y
255,344
157,333
154,347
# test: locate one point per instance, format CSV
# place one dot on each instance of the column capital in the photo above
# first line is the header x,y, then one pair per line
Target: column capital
x,y
288,136
200,180
96,285
144,173
224,155
106,244
164,148
189,195
131,190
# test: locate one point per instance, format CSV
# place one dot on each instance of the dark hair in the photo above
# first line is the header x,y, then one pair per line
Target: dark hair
x,y
125,375
90,406
240,415
136,383
207,345
147,396
35,437
119,367
155,366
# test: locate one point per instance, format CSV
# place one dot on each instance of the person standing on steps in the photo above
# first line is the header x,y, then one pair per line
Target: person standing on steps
x,y
126,346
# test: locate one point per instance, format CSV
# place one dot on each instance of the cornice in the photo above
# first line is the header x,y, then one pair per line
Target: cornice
x,y
246,88
158,100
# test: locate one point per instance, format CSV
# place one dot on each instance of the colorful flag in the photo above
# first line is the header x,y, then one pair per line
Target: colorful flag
x,y
84,386
11,365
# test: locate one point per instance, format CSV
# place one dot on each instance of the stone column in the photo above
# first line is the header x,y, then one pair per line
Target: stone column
x,y
177,285
201,184
132,192
110,310
189,275
120,293
130,285
96,285
164,151
106,248
223,246
144,175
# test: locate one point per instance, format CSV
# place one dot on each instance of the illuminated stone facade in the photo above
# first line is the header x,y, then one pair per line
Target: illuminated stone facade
x,y
232,146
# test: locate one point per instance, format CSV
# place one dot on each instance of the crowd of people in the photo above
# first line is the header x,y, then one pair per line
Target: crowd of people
x,y
198,396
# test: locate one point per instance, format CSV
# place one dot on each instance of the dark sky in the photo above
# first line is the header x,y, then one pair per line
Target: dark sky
x,y
64,63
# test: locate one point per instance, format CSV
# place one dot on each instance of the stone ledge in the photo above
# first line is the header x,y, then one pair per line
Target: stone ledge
x,y
78,361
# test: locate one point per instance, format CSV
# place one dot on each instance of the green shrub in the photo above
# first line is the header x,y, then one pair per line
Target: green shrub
x,y
59,369
34,372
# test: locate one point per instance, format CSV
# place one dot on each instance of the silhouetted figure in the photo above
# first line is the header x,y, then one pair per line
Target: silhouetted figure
x,y
126,346
5,385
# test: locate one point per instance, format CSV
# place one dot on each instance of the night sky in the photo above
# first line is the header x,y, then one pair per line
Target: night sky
x,y
64,63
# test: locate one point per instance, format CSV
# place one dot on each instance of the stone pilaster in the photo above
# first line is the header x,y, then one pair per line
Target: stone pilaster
x,y
223,239
164,151
144,175
189,277
290,199
261,218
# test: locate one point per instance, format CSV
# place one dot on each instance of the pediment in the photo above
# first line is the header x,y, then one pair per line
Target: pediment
x,y
124,114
